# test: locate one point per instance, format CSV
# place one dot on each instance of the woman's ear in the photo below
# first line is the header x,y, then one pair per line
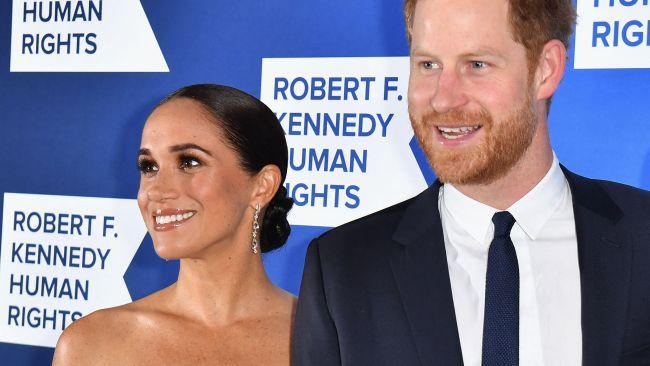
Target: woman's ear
x,y
267,182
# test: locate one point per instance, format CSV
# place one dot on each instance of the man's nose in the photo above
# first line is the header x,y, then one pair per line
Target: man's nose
x,y
449,92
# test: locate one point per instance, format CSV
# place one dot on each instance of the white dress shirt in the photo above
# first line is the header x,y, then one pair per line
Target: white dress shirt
x,y
549,292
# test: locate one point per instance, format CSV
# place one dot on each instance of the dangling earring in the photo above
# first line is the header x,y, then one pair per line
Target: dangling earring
x,y
256,227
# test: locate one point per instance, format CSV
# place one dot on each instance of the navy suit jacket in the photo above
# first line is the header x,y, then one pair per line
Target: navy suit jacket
x,y
376,291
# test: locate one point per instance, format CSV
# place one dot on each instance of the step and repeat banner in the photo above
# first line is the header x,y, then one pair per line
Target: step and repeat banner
x,y
78,79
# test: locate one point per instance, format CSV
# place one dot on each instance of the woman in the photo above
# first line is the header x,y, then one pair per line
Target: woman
x,y
212,162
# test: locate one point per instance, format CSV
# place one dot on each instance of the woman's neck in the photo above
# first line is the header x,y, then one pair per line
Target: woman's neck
x,y
221,287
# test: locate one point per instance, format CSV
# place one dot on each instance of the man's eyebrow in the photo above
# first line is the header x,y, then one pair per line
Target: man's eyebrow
x,y
485,51
188,146
415,51
146,152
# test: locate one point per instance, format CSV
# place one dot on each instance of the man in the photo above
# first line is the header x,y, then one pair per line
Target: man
x,y
509,258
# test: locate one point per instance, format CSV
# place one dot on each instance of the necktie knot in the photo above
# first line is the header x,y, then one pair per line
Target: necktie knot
x,y
503,223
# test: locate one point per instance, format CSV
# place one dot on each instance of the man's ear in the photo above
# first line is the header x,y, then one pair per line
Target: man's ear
x,y
550,69
267,182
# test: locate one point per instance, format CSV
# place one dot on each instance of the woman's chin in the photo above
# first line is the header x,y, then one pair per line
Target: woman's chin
x,y
169,252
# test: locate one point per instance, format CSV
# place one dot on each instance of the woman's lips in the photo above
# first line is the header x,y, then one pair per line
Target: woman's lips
x,y
168,219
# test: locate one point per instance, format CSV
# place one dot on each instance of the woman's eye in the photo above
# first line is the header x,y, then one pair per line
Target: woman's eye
x,y
189,162
147,167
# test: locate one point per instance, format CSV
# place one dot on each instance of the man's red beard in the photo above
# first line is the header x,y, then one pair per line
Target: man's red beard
x,y
504,143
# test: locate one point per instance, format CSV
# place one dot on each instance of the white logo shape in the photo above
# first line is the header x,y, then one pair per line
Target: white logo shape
x,y
348,132
62,258
83,36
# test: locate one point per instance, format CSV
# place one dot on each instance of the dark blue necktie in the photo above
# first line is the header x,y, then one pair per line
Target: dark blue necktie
x,y
501,322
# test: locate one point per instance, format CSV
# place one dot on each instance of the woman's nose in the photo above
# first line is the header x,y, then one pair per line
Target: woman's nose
x,y
162,188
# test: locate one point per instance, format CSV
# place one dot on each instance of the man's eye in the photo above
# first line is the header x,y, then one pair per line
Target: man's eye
x,y
189,162
428,65
147,167
478,64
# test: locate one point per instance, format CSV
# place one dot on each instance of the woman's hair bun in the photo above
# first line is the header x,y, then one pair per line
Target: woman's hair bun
x,y
275,227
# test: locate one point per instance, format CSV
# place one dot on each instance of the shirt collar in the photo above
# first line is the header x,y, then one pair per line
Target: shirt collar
x,y
531,211
534,209
471,215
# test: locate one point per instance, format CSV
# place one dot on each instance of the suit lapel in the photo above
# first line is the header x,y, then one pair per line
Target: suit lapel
x,y
419,264
605,258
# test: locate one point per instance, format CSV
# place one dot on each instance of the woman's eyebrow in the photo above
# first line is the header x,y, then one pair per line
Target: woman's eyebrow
x,y
188,146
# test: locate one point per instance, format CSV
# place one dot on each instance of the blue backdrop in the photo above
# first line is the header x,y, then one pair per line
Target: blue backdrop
x,y
77,134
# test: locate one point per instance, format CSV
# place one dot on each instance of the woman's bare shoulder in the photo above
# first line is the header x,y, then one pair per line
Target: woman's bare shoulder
x,y
98,338
84,341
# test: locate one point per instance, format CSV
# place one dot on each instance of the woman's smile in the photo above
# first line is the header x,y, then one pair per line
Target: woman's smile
x,y
168,219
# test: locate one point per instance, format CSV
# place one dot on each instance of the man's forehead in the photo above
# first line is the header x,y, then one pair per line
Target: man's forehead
x,y
467,27
465,5
468,14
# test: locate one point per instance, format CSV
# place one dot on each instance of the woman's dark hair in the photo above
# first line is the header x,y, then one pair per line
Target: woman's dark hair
x,y
253,131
